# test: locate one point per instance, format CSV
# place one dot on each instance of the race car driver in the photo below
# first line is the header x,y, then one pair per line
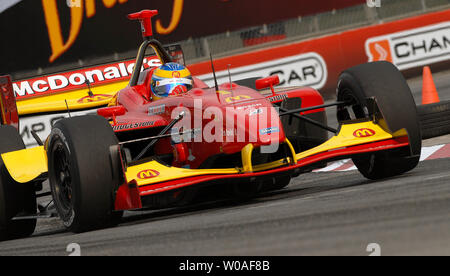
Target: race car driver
x,y
170,79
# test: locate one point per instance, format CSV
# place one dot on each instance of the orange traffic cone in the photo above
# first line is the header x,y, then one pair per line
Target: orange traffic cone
x,y
429,91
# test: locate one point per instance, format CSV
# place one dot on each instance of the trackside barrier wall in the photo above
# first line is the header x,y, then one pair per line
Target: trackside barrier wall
x,y
409,43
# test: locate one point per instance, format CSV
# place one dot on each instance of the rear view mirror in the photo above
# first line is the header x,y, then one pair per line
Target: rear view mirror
x,y
268,82
111,111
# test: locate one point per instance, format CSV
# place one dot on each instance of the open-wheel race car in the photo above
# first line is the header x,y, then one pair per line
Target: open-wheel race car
x,y
143,152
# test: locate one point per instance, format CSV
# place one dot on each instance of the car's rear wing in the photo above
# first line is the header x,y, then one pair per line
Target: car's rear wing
x,y
8,108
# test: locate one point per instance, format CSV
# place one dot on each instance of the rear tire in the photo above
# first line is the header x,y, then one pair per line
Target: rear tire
x,y
434,119
380,80
15,198
82,172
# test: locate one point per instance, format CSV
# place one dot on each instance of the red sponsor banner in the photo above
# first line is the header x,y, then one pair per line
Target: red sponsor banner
x,y
68,81
408,43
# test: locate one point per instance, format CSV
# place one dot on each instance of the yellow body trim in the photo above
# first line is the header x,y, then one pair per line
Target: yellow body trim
x,y
294,155
272,165
170,173
56,102
26,165
247,158
345,138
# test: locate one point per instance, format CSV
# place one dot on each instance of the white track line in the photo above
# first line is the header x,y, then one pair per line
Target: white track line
x,y
428,151
334,167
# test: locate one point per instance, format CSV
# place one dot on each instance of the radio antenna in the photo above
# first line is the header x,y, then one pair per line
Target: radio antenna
x,y
229,77
231,83
214,73
88,83
68,109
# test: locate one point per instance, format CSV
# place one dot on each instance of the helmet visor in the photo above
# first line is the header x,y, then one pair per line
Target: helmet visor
x,y
166,87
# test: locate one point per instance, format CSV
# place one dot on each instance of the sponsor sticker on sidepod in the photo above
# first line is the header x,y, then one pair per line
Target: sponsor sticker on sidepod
x,y
269,130
412,48
307,69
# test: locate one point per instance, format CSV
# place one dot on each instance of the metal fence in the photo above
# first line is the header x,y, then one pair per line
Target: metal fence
x,y
304,27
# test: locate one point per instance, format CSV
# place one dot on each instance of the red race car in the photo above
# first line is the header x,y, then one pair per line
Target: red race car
x,y
168,135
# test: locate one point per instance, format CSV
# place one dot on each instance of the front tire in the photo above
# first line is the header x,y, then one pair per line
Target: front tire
x,y
82,172
384,82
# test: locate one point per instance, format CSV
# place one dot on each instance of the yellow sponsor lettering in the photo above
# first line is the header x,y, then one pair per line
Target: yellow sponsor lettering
x,y
237,98
175,20
52,18
224,92
54,27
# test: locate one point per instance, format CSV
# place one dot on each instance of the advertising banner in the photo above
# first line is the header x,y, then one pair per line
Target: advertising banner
x,y
412,48
408,43
56,32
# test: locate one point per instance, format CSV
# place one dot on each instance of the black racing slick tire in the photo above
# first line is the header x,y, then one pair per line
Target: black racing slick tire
x,y
434,119
82,172
384,82
15,198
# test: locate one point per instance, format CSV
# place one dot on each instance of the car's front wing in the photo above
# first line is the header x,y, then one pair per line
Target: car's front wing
x,y
353,139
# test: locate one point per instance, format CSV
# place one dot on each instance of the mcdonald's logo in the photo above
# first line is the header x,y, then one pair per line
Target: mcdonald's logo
x,y
94,98
364,133
147,174
237,98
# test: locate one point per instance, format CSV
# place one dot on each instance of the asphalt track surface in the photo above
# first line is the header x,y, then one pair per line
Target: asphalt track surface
x,y
334,213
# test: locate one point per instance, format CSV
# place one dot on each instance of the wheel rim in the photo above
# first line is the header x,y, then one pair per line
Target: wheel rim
x,y
61,179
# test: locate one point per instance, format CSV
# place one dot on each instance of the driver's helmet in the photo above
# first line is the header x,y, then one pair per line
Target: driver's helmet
x,y
170,79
